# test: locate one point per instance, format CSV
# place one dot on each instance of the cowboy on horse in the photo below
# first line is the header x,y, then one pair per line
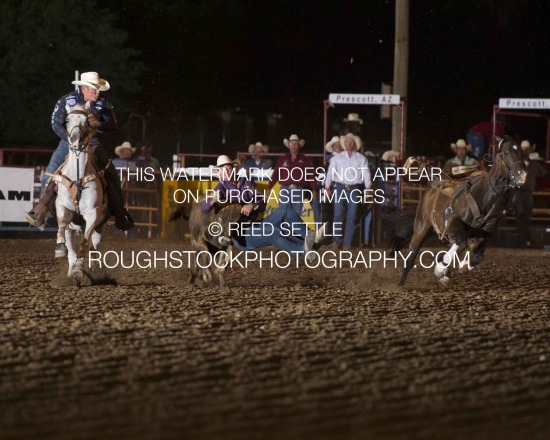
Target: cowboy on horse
x,y
101,118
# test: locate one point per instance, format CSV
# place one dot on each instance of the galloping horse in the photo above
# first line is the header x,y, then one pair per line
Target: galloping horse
x,y
466,212
80,194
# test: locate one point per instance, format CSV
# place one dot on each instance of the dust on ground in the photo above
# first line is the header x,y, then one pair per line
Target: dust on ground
x,y
291,353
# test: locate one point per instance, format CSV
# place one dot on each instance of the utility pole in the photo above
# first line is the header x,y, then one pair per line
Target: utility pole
x,y
400,69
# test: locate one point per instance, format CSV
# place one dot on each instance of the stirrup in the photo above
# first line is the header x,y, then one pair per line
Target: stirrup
x,y
36,220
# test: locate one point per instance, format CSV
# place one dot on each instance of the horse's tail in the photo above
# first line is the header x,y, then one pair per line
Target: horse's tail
x,y
183,210
401,226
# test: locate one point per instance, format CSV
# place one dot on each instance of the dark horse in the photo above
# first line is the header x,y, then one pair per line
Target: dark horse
x,y
466,212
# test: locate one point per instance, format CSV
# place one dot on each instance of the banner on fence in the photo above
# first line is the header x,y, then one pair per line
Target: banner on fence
x,y
16,193
171,198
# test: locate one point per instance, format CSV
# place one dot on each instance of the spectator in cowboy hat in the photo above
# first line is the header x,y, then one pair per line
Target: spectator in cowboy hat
x,y
353,117
146,159
101,118
294,172
347,176
257,163
529,149
461,150
124,159
522,198
333,147
352,124
391,156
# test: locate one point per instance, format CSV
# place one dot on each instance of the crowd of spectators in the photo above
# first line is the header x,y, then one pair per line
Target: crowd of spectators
x,y
345,190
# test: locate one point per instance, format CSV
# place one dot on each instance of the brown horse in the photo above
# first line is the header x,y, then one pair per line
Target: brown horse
x,y
466,212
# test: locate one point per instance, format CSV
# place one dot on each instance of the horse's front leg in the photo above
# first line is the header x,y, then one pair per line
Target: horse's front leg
x,y
71,253
64,217
443,262
221,261
202,260
475,254
90,236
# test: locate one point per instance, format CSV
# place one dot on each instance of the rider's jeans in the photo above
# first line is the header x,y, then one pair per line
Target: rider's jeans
x,y
58,157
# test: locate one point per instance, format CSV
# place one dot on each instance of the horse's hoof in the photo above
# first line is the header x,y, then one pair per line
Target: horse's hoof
x,y
60,250
445,280
465,268
77,272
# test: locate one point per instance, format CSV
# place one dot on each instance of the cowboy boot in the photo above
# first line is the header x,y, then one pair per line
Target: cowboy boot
x,y
39,213
123,219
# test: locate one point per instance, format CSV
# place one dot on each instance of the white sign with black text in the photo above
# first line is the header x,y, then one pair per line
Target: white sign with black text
x,y
354,98
525,103
16,193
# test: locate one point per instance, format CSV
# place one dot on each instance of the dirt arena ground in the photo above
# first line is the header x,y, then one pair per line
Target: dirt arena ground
x,y
281,354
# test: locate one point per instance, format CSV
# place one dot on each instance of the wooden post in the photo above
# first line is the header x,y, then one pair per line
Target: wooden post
x,y
400,70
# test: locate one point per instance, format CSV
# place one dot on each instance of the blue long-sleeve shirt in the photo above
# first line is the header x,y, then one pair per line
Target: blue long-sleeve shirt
x,y
102,108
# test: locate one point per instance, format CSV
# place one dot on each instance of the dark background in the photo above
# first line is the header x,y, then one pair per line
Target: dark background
x,y
214,76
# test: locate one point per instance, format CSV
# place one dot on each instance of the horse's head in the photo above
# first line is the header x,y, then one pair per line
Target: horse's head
x,y
511,162
77,126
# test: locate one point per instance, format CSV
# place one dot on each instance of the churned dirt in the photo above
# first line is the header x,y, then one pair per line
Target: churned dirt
x,y
280,354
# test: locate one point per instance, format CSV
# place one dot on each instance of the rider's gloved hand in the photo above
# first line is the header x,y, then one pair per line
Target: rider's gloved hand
x,y
93,121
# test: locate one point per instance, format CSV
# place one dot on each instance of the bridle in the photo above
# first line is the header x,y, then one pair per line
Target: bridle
x,y
86,133
514,169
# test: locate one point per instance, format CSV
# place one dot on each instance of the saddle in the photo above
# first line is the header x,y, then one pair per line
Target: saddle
x,y
75,187
454,188
466,183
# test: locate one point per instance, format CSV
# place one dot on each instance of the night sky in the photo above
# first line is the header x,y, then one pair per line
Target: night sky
x,y
287,56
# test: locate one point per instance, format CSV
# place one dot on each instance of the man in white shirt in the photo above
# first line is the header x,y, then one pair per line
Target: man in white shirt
x,y
347,177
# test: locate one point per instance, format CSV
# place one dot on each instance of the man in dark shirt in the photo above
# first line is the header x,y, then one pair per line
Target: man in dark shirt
x,y
296,174
522,198
101,118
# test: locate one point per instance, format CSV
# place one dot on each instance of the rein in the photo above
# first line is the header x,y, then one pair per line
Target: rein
x,y
84,142
498,189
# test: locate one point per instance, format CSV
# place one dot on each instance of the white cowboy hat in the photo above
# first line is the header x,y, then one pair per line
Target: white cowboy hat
x,y
356,139
389,155
252,147
125,145
294,138
353,117
461,143
92,79
526,144
224,160
329,147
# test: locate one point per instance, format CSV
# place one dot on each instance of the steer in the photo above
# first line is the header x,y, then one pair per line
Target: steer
x,y
208,239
